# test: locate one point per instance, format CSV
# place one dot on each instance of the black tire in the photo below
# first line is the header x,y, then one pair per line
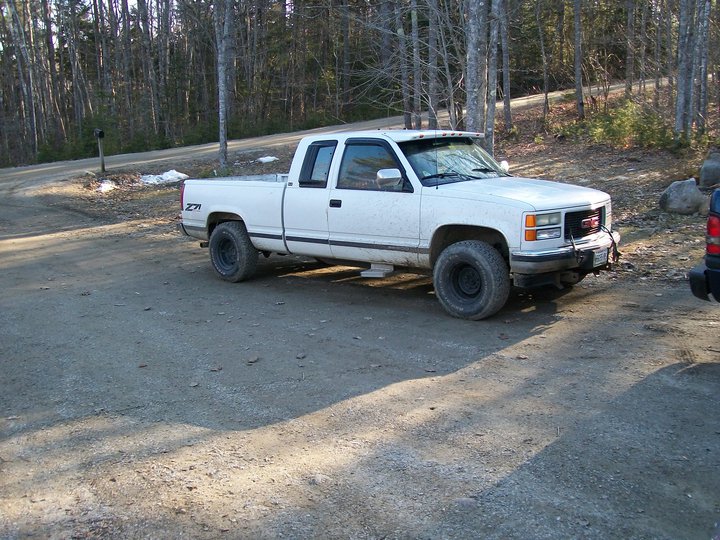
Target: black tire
x,y
232,254
471,280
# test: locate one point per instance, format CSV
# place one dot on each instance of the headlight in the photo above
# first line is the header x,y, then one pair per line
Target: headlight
x,y
534,221
547,234
543,220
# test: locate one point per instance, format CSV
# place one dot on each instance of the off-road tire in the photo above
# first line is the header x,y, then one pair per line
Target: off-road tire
x,y
471,280
232,254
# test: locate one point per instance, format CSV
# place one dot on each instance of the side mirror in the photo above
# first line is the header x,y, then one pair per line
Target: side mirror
x,y
389,179
505,166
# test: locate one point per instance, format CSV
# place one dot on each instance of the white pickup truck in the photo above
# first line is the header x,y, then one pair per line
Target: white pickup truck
x,y
429,201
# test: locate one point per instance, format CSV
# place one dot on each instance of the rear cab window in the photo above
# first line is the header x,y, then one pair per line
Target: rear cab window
x,y
316,166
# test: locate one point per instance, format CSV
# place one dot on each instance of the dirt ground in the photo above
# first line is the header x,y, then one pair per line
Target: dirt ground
x,y
141,397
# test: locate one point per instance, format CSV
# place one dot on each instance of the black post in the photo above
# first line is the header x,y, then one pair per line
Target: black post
x,y
100,135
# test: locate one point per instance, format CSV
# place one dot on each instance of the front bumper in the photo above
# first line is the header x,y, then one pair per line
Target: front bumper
x,y
590,256
705,280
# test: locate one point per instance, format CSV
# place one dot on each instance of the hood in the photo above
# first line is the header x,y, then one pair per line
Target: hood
x,y
538,194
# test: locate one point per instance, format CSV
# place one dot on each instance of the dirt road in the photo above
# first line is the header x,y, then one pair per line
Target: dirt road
x,y
143,398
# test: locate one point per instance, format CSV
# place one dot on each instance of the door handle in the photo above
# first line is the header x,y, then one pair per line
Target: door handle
x,y
335,203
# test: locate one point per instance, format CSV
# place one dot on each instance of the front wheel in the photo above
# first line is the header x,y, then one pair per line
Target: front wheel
x,y
232,254
471,280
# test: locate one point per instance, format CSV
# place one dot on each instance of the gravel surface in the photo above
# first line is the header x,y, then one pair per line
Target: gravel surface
x,y
142,397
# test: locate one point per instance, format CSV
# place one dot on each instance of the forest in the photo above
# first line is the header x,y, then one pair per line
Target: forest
x,y
160,73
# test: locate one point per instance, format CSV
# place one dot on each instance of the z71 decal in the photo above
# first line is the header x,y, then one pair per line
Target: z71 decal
x,y
192,207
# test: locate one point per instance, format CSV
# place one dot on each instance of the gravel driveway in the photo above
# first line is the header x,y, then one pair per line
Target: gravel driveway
x,y
141,397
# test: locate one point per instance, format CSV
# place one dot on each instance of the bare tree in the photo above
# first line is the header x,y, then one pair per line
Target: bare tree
x,y
579,99
685,70
417,67
701,59
544,60
404,68
505,45
630,46
433,68
476,62
223,17
492,83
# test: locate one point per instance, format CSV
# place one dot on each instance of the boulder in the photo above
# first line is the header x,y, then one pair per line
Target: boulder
x,y
683,197
710,170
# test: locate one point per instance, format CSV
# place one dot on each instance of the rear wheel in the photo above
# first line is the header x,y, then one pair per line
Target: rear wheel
x,y
471,280
232,254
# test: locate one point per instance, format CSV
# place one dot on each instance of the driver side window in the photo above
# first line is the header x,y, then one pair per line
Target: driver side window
x,y
360,165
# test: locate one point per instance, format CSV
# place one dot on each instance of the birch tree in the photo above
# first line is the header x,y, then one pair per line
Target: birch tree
x,y
691,19
223,17
579,98
417,67
433,67
404,67
475,17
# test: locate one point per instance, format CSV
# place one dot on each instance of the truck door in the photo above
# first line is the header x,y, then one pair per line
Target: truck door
x,y
369,220
305,208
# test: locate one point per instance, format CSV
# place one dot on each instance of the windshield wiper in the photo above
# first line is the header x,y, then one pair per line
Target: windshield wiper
x,y
456,176
440,175
484,169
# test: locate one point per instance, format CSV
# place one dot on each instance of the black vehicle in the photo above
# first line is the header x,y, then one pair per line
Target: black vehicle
x,y
705,277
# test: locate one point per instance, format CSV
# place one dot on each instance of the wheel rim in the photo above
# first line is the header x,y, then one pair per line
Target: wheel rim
x,y
466,281
226,254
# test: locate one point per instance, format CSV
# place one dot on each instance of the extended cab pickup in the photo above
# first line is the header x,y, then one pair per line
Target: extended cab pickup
x,y
428,201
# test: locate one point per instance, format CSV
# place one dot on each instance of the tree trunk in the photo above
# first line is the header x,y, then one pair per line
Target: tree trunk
x,y
223,17
55,98
543,57
345,24
489,143
505,43
433,78
701,57
417,67
24,70
148,65
476,64
685,70
658,53
456,120
127,68
630,45
472,84
404,68
670,48
643,46
386,16
577,12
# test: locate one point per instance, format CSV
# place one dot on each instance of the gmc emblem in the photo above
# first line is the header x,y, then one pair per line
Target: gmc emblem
x,y
590,223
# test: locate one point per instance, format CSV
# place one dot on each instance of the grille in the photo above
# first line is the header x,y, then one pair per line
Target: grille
x,y
582,224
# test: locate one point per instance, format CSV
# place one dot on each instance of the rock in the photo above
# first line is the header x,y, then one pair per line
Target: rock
x,y
318,479
683,197
710,171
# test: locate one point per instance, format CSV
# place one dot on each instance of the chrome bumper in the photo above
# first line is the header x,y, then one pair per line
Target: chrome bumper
x,y
589,256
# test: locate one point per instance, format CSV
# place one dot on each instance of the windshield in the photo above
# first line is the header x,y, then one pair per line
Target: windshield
x,y
444,161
